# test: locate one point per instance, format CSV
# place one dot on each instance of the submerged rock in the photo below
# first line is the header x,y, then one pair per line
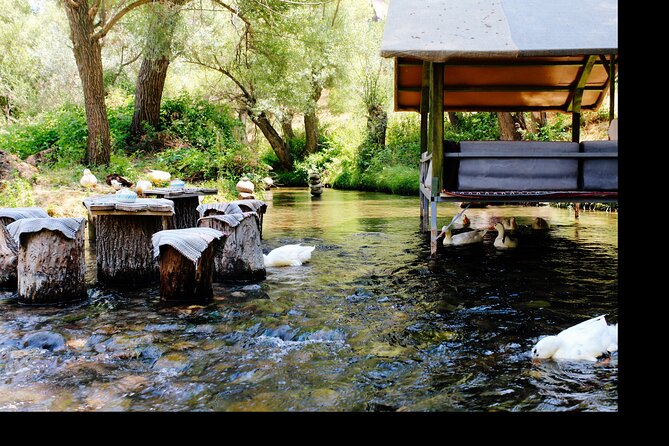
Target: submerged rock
x,y
46,340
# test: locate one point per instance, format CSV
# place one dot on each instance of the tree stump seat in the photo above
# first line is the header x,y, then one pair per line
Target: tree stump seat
x,y
51,263
240,258
186,263
8,248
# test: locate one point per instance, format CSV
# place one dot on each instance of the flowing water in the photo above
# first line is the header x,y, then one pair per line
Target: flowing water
x,y
370,324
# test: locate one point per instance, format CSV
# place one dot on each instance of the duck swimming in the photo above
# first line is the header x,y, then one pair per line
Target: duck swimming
x,y
503,240
463,238
539,224
584,341
288,255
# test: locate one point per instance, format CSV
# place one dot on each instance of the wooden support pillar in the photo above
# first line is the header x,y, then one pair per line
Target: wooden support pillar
x,y
434,243
424,108
436,144
612,87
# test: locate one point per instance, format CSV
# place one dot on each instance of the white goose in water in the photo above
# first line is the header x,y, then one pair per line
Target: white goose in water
x,y
463,238
585,341
288,255
504,240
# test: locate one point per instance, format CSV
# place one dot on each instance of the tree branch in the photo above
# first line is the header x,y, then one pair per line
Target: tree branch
x,y
222,70
93,9
119,15
234,11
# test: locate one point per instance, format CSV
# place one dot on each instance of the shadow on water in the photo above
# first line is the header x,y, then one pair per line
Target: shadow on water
x,y
370,324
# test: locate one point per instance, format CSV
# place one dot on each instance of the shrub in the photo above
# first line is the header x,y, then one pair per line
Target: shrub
x,y
16,192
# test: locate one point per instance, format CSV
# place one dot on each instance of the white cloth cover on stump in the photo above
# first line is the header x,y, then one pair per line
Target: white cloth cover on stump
x,y
66,226
21,213
190,242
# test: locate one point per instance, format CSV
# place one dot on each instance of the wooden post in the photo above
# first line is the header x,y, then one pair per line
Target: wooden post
x,y
436,132
124,250
8,259
51,267
240,257
181,279
424,109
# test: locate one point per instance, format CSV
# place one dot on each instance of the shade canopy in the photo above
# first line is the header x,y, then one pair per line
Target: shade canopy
x,y
504,55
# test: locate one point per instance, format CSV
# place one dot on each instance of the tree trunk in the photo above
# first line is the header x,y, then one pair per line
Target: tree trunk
x,y
88,55
507,127
287,126
310,132
377,123
240,132
453,118
148,94
311,122
240,257
181,280
537,121
278,144
124,249
51,267
8,259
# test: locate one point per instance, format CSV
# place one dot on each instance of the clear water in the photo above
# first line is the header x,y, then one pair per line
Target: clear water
x,y
370,324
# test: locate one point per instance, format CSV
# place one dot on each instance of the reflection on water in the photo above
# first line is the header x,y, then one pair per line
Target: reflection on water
x,y
370,324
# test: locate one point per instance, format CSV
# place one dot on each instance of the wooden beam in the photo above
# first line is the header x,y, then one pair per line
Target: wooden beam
x,y
612,89
437,124
424,108
502,63
574,99
506,88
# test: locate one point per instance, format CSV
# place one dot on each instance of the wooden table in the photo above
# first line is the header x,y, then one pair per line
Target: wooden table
x,y
123,247
185,201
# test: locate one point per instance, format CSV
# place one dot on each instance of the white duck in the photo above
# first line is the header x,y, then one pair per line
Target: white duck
x,y
288,255
509,223
503,240
462,223
463,238
585,341
539,224
143,185
88,180
159,177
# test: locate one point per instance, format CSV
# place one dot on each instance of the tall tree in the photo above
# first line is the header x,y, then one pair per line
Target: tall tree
x,y
90,21
162,23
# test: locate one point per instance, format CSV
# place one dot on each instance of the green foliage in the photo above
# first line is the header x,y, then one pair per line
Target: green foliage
x,y
198,122
63,129
16,192
475,126
558,128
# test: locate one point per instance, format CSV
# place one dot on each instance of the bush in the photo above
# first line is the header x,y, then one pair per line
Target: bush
x,y
16,192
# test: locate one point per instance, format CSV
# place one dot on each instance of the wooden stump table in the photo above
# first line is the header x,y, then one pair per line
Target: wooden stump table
x,y
123,246
51,263
185,200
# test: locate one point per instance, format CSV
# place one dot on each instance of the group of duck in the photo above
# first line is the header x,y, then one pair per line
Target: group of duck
x,y
505,227
155,178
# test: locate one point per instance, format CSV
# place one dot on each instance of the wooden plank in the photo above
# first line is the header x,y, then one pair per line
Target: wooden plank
x,y
516,62
424,106
507,88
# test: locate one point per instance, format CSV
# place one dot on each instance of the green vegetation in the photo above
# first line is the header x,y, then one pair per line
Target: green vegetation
x,y
251,88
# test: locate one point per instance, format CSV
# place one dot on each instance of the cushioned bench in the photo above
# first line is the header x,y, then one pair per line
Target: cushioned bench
x,y
530,170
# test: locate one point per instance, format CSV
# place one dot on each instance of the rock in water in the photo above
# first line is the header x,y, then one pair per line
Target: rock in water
x,y
44,339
